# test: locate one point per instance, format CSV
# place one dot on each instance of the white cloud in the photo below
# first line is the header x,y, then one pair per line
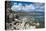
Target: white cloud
x,y
20,4
31,6
26,7
16,7
15,3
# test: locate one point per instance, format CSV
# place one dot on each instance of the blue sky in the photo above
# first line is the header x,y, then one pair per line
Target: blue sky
x,y
27,6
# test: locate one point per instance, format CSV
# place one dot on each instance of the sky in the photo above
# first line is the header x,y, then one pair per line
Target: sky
x,y
27,6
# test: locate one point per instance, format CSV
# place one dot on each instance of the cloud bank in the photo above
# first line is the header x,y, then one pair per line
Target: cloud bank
x,y
28,8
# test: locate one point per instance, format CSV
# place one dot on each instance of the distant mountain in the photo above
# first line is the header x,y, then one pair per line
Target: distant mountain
x,y
30,11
